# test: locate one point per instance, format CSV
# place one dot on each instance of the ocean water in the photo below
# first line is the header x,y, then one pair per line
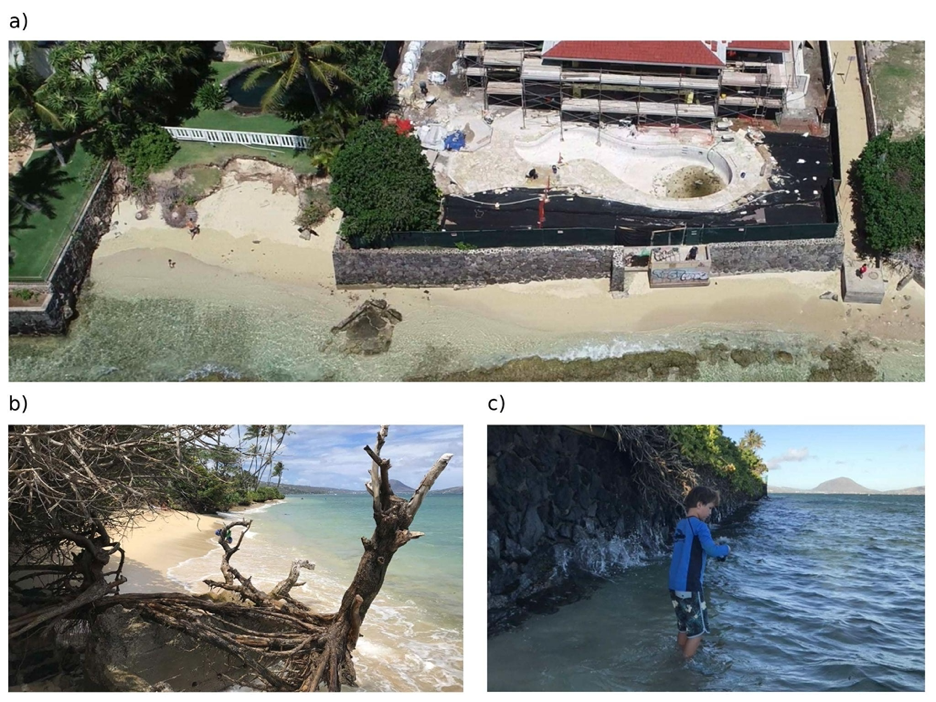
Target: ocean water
x,y
821,592
276,338
412,635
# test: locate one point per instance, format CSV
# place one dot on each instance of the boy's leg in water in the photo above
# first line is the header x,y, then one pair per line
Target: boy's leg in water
x,y
691,646
681,639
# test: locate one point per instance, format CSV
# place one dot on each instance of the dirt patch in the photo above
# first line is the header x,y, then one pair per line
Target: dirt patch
x,y
241,170
26,145
897,80
193,183
693,181
28,298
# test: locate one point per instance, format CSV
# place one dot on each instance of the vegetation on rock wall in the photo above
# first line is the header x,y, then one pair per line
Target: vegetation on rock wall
x,y
707,445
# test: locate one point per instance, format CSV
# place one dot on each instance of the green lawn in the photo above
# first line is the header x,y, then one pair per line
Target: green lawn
x,y
37,237
225,69
228,120
191,153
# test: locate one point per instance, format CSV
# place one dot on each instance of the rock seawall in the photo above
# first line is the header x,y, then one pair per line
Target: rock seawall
x,y
68,276
562,503
440,267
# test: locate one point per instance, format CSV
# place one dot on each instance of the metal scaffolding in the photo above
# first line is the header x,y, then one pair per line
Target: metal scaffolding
x,y
514,74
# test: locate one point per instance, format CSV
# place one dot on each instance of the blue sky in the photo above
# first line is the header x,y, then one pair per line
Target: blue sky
x,y
877,457
333,456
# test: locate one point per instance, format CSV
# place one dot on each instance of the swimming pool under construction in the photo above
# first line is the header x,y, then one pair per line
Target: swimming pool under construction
x,y
620,186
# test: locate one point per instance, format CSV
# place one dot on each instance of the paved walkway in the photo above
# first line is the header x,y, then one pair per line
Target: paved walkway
x,y
852,129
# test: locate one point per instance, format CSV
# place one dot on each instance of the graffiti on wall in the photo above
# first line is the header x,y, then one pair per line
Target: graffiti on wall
x,y
679,276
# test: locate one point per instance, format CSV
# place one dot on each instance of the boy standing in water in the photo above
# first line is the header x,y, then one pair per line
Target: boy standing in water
x,y
692,543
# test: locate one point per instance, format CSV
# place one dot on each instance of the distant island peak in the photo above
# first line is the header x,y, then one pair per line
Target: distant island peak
x,y
845,486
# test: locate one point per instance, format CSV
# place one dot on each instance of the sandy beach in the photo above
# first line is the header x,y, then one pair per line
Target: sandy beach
x,y
249,252
162,540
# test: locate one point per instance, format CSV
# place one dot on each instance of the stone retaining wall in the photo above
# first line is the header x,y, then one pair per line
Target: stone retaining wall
x,y
447,267
777,256
70,271
417,268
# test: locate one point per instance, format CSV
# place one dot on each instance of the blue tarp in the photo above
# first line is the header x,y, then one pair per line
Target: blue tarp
x,y
455,141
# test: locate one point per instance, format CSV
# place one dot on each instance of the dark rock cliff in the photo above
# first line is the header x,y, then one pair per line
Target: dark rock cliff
x,y
563,503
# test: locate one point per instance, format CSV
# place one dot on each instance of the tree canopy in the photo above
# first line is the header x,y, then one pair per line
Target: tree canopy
x,y
891,182
383,184
707,445
116,87
317,63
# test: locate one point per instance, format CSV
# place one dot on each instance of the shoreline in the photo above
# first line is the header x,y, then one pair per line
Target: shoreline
x,y
165,540
161,542
247,234
258,303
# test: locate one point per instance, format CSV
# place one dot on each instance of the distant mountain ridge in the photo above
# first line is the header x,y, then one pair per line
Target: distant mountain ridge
x,y
398,487
846,486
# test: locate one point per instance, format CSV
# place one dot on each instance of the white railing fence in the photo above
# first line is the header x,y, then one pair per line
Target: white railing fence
x,y
223,136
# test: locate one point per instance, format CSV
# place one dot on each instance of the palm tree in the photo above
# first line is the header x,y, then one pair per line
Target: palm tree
x,y
328,131
751,441
312,60
278,473
28,105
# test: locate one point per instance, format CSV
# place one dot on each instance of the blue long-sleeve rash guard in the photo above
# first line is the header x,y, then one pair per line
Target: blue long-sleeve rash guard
x,y
692,542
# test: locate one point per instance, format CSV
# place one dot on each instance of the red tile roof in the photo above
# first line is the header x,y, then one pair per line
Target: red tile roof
x,y
676,53
759,45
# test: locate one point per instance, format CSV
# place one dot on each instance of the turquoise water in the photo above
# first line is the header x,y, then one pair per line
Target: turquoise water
x,y
281,338
821,592
412,635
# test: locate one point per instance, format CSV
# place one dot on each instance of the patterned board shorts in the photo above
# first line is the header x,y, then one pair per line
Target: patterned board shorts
x,y
691,615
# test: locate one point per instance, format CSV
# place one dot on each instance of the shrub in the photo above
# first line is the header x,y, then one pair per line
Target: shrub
x,y
383,184
24,294
210,96
149,151
327,132
317,209
464,246
706,445
891,181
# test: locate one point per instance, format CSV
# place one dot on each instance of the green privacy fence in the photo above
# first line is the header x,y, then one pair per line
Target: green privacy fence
x,y
620,236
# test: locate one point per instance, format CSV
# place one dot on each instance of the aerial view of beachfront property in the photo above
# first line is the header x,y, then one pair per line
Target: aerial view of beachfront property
x,y
208,558
466,210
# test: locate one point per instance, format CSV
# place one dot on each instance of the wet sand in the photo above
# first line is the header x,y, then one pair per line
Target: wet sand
x,y
161,541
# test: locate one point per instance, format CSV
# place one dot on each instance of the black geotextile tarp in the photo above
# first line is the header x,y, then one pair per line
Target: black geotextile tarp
x,y
804,167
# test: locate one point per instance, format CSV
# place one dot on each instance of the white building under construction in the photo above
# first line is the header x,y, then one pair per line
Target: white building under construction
x,y
687,83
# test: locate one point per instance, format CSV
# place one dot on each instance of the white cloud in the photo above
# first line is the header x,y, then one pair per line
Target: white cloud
x,y
793,455
333,456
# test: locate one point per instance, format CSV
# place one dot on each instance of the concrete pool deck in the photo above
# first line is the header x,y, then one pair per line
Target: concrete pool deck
x,y
626,167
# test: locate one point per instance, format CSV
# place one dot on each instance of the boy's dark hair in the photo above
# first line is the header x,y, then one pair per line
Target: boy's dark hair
x,y
702,494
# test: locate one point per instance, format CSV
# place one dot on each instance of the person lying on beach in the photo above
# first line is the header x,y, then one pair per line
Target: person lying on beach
x,y
692,543
193,228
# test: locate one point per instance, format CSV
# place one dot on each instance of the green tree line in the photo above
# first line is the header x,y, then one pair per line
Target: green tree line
x,y
738,462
